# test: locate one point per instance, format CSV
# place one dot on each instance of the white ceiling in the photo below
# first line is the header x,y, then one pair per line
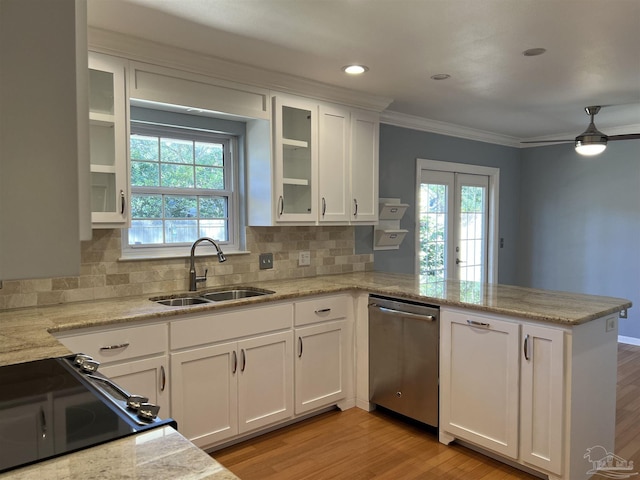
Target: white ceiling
x,y
592,58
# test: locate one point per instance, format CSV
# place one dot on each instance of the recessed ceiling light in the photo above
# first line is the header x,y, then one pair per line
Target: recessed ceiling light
x,y
355,69
440,76
534,52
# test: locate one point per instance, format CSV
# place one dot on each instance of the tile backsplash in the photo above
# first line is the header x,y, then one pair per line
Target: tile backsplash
x,y
104,275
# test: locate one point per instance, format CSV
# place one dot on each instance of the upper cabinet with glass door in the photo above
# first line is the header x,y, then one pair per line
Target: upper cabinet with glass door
x,y
108,134
296,157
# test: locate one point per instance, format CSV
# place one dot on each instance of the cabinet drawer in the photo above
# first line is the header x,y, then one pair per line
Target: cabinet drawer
x,y
321,309
119,344
220,326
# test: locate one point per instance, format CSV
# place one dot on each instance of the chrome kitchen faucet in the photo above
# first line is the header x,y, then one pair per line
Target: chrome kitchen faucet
x,y
193,278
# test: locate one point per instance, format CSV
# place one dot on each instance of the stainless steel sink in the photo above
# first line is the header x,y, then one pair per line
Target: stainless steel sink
x,y
182,301
210,297
234,294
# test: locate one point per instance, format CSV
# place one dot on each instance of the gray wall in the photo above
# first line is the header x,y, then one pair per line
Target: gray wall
x,y
580,228
399,149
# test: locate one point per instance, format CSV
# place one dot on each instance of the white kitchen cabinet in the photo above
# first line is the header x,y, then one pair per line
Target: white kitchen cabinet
x,y
223,390
538,394
333,164
541,397
363,159
321,351
44,138
479,380
108,140
320,366
295,159
135,357
324,169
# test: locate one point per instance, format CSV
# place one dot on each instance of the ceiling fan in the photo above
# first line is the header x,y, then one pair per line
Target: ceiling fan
x,y
592,141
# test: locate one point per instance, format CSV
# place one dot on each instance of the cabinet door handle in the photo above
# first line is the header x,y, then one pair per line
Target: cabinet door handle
x,y
355,204
115,347
280,205
324,206
475,323
299,347
526,347
322,310
123,202
43,423
235,362
163,378
244,360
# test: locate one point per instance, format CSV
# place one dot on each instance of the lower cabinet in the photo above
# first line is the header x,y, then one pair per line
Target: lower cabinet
x,y
227,389
503,387
148,377
319,365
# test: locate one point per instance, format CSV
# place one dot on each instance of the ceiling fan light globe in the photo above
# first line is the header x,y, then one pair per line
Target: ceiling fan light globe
x,y
589,148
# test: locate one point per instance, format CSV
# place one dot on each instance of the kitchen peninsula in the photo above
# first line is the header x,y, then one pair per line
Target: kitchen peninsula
x,y
25,334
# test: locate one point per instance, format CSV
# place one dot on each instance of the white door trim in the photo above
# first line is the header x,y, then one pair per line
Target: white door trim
x,y
493,195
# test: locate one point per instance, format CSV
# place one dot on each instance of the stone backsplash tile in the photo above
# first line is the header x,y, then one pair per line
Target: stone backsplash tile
x,y
103,275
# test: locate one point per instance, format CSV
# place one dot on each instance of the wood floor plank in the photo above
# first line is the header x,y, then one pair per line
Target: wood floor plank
x,y
359,445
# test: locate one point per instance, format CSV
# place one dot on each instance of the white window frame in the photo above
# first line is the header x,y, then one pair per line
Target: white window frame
x,y
493,241
230,246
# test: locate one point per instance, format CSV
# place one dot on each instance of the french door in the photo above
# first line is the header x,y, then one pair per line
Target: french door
x,y
454,233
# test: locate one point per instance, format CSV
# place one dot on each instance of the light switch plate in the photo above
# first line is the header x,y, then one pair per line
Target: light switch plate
x,y
266,261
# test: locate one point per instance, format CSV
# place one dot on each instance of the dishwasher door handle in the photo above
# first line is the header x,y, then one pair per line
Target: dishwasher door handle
x,y
429,318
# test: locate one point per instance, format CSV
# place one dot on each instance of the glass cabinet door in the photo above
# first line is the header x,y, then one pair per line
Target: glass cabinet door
x,y
108,157
296,158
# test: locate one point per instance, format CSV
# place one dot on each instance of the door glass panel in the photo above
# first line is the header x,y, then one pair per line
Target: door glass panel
x,y
434,210
472,233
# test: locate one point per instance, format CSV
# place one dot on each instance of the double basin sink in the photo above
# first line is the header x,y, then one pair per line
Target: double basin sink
x,y
212,297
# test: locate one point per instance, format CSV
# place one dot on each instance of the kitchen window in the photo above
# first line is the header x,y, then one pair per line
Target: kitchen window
x,y
183,187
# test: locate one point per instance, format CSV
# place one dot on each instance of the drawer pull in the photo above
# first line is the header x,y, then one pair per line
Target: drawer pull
x,y
526,347
235,362
300,347
475,323
323,310
115,347
244,360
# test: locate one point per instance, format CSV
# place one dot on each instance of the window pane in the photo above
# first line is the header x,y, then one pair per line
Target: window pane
x,y
216,229
177,176
144,148
210,177
145,174
180,231
176,206
213,207
209,154
176,151
146,206
147,232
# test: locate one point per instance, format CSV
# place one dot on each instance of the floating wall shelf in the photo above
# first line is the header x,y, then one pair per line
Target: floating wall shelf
x,y
387,234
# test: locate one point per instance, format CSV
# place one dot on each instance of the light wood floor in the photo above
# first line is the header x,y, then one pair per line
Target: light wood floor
x,y
358,445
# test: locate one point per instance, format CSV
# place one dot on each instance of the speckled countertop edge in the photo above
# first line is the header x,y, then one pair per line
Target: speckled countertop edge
x,y
25,334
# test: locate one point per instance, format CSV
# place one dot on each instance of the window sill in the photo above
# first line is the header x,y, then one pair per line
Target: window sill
x,y
159,254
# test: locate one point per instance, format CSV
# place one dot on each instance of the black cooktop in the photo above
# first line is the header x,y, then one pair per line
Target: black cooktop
x,y
47,409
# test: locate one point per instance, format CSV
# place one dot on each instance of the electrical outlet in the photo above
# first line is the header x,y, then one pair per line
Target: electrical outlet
x,y
266,261
611,323
304,259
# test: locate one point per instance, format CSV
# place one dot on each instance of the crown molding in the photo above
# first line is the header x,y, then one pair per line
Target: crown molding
x,y
146,51
433,126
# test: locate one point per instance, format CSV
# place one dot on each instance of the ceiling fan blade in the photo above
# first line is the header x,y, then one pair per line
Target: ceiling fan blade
x,y
627,136
549,141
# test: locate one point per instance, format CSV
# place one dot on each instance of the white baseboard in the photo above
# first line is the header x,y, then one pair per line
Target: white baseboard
x,y
629,340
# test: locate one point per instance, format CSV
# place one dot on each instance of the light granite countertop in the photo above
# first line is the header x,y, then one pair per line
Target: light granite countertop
x,y
160,454
26,334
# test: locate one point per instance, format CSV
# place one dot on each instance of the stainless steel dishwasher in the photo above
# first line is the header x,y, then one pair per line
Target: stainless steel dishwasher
x,y
403,357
